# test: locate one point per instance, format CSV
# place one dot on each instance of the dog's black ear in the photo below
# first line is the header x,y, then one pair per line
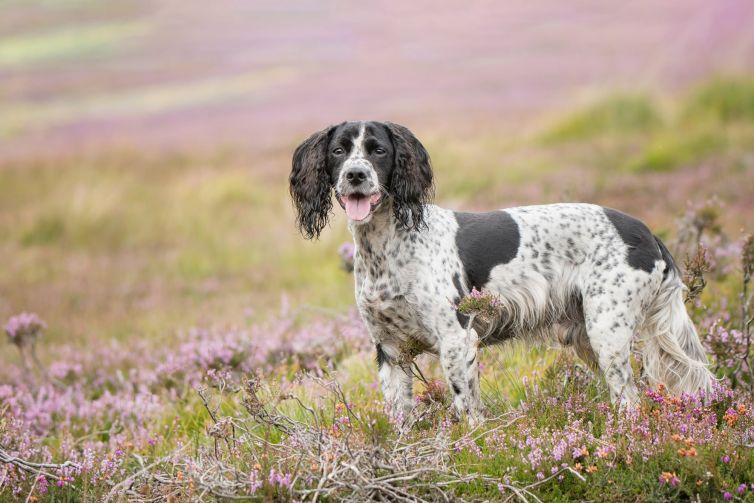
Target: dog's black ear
x,y
310,184
411,183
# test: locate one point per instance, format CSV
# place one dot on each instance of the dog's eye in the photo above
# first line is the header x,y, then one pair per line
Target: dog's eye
x,y
338,151
379,151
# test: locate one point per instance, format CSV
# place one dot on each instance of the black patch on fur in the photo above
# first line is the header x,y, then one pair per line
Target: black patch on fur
x,y
462,318
456,389
667,257
574,308
411,181
643,249
458,285
381,356
310,184
484,241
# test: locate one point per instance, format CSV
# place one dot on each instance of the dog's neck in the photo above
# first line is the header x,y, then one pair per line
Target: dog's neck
x,y
374,238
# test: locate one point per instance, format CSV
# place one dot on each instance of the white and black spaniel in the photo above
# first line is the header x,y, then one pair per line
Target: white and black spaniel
x,y
579,274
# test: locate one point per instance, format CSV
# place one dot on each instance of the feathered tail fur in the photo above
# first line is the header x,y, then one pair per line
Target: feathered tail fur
x,y
673,354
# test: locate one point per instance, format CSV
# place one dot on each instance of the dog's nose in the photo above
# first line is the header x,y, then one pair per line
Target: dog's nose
x,y
356,175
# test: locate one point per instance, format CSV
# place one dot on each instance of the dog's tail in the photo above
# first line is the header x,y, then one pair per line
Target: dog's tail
x,y
673,354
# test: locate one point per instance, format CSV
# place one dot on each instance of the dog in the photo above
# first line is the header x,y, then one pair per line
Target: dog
x,y
582,275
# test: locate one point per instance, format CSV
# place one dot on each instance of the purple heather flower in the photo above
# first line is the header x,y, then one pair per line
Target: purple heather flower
x,y
280,479
42,484
741,489
254,481
727,496
24,328
725,459
346,252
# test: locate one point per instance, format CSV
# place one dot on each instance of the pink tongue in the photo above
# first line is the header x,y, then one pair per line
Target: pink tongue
x,y
357,208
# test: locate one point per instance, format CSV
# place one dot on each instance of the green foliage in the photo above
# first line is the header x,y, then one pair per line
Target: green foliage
x,y
46,229
615,114
480,303
727,100
671,150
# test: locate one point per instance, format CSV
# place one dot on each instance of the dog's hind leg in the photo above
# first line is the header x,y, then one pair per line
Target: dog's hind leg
x,y
610,327
577,338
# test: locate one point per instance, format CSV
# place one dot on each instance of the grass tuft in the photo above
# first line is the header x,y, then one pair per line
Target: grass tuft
x,y
46,230
727,100
615,114
670,150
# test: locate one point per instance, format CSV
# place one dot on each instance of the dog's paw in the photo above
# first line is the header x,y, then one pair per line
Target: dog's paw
x,y
476,418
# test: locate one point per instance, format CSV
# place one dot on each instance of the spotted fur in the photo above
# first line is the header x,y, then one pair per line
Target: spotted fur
x,y
582,275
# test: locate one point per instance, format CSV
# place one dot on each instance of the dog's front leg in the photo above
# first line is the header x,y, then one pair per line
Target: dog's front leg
x,y
396,381
459,360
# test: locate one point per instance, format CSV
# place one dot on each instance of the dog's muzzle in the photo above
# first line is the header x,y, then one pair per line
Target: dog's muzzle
x,y
358,189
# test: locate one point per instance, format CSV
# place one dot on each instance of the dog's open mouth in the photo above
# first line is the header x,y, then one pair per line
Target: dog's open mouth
x,y
359,206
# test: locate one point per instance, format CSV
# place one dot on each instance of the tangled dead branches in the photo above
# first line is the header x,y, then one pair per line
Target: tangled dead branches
x,y
347,457
34,468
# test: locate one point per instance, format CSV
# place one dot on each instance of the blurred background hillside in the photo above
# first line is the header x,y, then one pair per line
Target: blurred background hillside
x,y
145,145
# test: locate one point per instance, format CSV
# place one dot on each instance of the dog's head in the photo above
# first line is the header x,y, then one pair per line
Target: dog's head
x,y
369,165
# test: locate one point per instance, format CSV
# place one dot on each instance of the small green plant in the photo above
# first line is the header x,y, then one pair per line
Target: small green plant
x,y
480,303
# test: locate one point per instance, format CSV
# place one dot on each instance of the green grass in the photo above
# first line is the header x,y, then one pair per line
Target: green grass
x,y
615,114
125,243
727,100
670,150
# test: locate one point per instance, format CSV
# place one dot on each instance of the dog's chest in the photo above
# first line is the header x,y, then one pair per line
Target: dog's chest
x,y
387,300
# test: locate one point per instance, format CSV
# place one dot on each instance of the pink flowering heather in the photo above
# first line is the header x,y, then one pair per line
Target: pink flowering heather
x,y
123,392
346,252
24,328
480,302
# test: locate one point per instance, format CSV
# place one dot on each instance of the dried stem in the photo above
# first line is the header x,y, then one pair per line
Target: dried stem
x,y
34,468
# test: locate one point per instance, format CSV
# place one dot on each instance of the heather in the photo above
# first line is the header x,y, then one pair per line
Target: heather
x,y
288,408
169,336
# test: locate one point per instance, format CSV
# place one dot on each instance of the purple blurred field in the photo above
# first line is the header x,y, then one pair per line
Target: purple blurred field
x,y
262,74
